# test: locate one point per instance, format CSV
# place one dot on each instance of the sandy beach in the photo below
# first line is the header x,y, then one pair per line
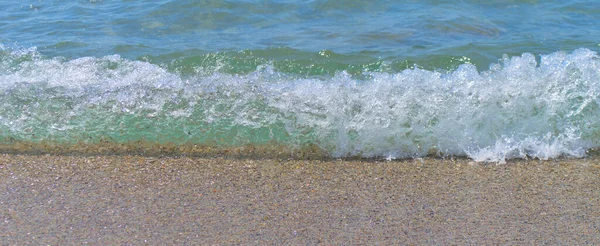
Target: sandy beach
x,y
108,200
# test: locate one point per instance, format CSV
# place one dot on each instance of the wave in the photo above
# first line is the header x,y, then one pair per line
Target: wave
x,y
522,107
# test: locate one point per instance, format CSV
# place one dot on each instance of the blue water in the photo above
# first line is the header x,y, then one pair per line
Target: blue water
x,y
370,79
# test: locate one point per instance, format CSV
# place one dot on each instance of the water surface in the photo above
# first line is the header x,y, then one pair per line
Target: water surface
x,y
487,80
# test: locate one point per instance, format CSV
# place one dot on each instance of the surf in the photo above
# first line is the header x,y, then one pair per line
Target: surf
x,y
521,107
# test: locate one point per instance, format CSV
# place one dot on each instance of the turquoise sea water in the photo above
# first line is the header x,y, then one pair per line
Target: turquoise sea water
x,y
490,80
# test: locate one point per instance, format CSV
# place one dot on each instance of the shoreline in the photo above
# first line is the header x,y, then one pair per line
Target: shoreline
x,y
185,200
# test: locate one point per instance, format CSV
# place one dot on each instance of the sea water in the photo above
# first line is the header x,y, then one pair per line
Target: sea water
x,y
490,80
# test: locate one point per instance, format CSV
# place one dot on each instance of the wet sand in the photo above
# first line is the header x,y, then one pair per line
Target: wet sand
x,y
104,200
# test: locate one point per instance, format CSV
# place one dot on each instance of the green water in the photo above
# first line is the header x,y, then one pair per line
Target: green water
x,y
379,79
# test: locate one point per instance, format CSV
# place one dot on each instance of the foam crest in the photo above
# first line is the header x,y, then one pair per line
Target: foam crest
x,y
108,72
519,108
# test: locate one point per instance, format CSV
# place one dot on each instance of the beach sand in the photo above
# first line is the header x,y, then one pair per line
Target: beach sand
x,y
107,200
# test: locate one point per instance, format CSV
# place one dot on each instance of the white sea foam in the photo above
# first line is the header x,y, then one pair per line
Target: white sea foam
x,y
519,108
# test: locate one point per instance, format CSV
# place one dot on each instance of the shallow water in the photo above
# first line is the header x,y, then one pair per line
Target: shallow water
x,y
491,81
